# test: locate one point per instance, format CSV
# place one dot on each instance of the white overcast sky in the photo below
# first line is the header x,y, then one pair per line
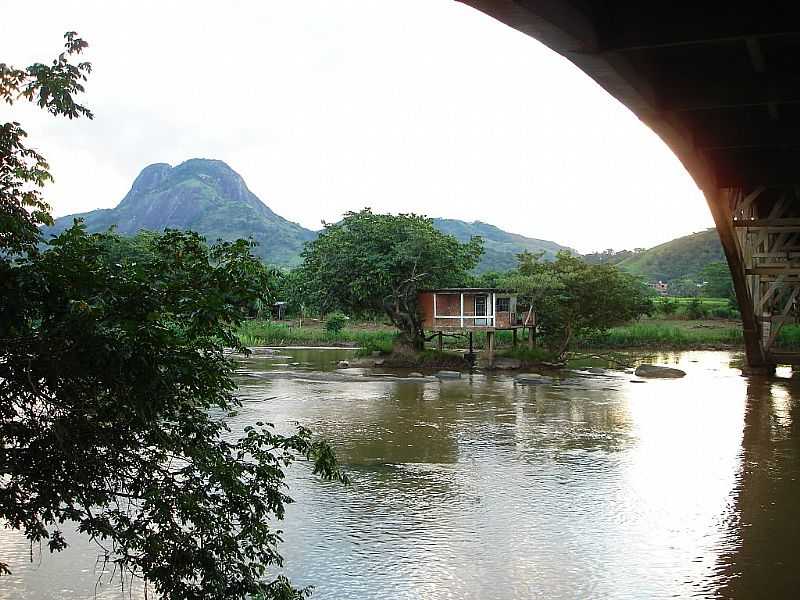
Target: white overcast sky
x,y
325,106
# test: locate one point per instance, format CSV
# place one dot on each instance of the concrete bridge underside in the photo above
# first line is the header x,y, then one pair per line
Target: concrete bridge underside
x,y
719,82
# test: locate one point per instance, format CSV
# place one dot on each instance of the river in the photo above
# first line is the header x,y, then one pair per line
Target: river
x,y
592,487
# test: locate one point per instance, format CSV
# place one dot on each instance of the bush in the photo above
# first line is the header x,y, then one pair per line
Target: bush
x,y
335,322
695,309
724,312
667,306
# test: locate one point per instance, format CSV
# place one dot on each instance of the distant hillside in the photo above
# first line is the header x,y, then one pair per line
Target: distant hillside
x,y
206,196
681,258
209,197
500,247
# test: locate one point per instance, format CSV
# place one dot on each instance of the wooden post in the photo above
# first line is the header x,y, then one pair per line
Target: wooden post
x,y
490,347
719,203
531,336
514,337
470,343
440,343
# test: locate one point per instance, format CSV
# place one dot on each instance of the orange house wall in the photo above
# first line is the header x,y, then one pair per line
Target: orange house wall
x,y
450,304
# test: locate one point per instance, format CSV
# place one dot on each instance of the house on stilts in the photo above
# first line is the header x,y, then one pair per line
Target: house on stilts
x,y
465,310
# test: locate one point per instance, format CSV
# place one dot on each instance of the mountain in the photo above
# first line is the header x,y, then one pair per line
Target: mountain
x,y
500,247
206,196
681,258
209,197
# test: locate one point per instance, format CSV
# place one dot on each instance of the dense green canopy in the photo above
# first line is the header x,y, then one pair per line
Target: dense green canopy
x,y
115,384
377,262
572,298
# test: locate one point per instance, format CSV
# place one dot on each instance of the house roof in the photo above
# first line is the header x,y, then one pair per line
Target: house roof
x,y
468,290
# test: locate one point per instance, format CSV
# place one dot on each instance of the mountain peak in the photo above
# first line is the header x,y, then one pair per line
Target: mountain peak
x,y
203,195
149,178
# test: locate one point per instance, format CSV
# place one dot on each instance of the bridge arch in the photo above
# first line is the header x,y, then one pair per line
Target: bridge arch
x,y
718,81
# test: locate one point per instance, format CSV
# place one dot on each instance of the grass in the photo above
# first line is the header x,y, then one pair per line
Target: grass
x,y
684,335
644,334
648,333
527,355
268,333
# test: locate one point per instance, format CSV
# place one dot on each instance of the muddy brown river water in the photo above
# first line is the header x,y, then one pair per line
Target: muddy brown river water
x,y
592,487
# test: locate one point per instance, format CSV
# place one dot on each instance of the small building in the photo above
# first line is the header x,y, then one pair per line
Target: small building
x,y
469,308
661,287
279,310
450,310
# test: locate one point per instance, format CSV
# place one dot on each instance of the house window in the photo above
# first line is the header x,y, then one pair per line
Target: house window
x,y
503,304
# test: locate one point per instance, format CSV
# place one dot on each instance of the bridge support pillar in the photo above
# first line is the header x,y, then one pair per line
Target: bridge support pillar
x,y
760,234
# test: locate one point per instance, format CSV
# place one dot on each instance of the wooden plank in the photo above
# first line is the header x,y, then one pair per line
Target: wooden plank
x,y
748,200
784,358
782,318
773,270
787,255
761,223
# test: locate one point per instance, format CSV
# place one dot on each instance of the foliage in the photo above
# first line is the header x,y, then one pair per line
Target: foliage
x,y
696,310
109,373
373,262
611,256
487,279
335,322
666,306
572,298
23,171
717,280
684,288
114,386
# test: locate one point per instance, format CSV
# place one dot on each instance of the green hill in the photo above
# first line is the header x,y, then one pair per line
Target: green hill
x,y
209,197
500,247
681,258
206,196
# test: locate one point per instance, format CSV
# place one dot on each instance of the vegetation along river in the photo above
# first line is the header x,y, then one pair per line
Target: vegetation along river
x,y
591,487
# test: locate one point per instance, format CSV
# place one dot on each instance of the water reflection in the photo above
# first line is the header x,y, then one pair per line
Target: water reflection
x,y
593,487
764,564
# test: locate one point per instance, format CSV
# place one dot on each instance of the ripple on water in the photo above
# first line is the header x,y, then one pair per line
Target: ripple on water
x,y
592,487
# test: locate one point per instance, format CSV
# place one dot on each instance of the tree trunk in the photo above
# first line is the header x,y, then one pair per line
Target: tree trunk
x,y
565,342
402,311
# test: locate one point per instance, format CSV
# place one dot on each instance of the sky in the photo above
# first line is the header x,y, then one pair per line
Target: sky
x,y
328,106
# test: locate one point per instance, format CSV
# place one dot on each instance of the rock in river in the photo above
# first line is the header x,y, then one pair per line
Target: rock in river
x,y
532,379
448,375
343,364
657,371
507,363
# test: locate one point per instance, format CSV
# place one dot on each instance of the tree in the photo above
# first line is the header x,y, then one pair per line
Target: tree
x,y
371,263
684,288
114,386
573,299
717,280
24,171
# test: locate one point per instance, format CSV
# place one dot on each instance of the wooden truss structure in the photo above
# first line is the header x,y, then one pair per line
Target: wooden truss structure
x,y
760,232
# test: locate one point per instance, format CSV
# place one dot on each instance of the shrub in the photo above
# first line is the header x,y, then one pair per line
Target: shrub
x,y
667,306
335,322
724,312
695,309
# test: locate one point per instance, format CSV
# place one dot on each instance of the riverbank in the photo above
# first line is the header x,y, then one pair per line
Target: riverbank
x,y
655,334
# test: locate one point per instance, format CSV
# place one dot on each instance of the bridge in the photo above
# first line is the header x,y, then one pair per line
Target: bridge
x,y
719,82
